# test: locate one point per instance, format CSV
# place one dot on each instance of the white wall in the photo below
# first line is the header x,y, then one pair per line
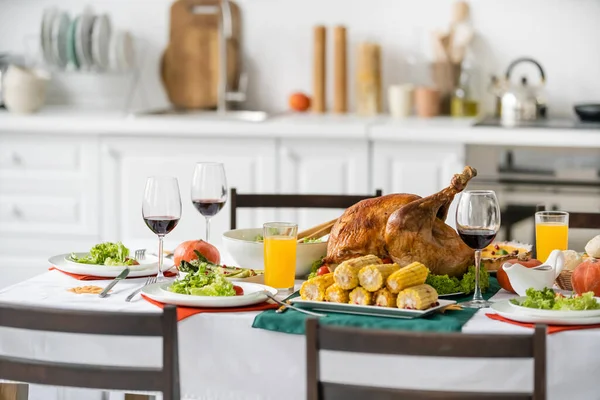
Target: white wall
x,y
563,35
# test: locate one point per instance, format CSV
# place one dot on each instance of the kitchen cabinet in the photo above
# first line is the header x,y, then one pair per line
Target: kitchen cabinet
x,y
49,189
321,167
419,168
126,163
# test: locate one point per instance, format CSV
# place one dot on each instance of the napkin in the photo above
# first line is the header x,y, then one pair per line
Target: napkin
x,y
103,278
551,328
184,312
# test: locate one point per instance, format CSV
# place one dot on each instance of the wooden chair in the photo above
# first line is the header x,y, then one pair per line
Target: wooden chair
x,y
460,345
291,201
164,379
577,220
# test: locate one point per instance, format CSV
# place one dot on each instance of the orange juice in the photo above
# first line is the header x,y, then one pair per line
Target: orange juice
x,y
550,236
280,261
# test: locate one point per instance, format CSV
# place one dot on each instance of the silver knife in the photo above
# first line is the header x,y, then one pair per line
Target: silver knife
x,y
121,276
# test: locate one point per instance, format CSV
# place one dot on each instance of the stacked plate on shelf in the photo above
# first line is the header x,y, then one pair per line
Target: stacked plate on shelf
x,y
86,42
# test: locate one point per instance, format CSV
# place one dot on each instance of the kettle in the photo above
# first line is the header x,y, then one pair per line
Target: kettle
x,y
522,102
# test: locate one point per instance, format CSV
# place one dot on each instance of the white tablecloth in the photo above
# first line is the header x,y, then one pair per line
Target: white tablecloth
x,y
223,357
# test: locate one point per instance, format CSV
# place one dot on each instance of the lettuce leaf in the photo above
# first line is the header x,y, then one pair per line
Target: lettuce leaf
x,y
547,299
106,253
203,282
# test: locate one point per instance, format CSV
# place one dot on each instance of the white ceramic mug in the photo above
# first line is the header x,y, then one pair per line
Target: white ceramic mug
x,y
400,98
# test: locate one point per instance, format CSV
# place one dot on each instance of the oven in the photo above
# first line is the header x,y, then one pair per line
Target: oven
x,y
523,177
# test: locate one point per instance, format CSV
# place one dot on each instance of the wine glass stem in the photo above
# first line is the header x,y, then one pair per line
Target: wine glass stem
x,y
207,229
477,294
160,274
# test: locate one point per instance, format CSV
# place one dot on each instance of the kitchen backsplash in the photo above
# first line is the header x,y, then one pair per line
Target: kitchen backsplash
x,y
277,40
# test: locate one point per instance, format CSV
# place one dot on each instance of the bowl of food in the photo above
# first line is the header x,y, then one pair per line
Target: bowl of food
x,y
245,246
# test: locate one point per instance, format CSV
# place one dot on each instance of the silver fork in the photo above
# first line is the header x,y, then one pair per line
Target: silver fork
x,y
149,281
140,254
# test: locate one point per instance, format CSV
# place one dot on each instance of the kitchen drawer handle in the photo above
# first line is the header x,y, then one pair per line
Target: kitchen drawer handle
x,y
16,159
17,213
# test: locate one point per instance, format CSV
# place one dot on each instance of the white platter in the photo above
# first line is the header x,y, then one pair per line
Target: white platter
x,y
535,312
451,294
253,294
389,312
149,267
505,309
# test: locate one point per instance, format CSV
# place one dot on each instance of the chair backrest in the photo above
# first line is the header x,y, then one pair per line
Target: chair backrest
x,y
164,379
580,220
237,200
459,345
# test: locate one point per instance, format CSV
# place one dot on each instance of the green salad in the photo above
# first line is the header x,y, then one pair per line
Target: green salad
x,y
203,282
547,299
444,284
228,271
108,253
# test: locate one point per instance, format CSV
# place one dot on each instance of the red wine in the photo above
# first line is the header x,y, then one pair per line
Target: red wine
x,y
161,225
477,238
208,208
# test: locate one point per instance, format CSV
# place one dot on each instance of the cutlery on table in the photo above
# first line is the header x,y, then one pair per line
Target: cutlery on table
x,y
140,254
149,281
281,303
119,277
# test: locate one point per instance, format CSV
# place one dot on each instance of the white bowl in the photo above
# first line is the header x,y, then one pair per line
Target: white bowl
x,y
247,253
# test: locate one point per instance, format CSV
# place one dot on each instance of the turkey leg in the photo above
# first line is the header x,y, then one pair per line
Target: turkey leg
x,y
417,232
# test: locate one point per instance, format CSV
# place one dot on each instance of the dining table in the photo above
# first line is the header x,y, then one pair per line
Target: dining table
x,y
222,356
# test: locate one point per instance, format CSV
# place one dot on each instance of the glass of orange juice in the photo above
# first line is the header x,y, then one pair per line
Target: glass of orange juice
x,y
280,241
551,232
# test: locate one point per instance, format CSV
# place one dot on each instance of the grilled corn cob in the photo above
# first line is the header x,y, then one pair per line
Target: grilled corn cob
x,y
420,297
346,274
384,298
314,289
372,277
336,294
361,296
411,275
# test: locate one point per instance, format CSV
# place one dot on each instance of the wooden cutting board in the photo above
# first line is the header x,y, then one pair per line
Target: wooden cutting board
x,y
190,64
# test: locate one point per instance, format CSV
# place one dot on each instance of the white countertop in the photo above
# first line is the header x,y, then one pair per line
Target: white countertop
x,y
62,120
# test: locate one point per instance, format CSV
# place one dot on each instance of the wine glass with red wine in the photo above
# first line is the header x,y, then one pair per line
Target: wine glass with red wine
x,y
209,190
478,222
161,210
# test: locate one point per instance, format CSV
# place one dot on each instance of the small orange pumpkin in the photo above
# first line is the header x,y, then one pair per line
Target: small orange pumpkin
x,y
186,251
586,277
522,259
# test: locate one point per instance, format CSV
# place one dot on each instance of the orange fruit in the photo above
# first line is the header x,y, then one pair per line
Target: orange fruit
x,y
299,102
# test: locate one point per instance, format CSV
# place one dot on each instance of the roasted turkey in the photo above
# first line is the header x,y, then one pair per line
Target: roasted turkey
x,y
405,228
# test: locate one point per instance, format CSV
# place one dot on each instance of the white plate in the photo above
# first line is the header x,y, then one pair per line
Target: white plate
x,y
60,33
101,32
83,45
105,271
253,294
390,312
505,309
46,34
122,51
536,312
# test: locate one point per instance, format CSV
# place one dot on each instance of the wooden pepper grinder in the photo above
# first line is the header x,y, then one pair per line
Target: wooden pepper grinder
x,y
318,100
340,89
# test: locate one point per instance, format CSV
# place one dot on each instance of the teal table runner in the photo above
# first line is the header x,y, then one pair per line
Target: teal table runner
x,y
451,321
